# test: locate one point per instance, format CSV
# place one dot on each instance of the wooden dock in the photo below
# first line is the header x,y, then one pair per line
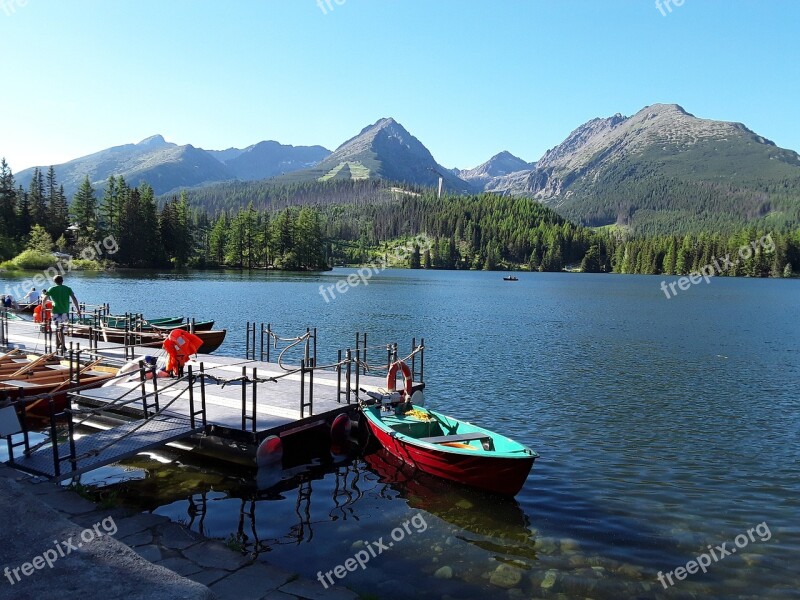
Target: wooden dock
x,y
218,398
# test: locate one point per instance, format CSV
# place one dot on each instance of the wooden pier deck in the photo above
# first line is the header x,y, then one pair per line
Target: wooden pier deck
x,y
243,400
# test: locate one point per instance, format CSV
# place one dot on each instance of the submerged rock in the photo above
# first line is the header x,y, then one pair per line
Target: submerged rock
x,y
629,570
546,546
505,576
569,545
444,573
549,579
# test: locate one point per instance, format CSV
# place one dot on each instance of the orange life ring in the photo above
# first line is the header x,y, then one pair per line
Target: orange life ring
x,y
391,378
179,346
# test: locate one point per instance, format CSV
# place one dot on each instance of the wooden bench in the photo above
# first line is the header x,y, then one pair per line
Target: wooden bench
x,y
458,437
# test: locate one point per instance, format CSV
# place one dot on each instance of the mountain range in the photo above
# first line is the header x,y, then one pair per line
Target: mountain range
x,y
659,170
168,167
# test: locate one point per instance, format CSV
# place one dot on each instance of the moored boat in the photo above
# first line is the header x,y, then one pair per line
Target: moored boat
x,y
212,339
27,307
41,377
443,446
511,278
197,325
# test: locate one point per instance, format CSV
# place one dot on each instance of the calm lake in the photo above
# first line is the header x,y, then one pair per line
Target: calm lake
x,y
664,426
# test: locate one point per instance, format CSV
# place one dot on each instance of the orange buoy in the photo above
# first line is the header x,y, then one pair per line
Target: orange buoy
x,y
391,378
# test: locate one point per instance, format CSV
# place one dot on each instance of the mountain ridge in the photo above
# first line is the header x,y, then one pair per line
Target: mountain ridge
x,y
659,168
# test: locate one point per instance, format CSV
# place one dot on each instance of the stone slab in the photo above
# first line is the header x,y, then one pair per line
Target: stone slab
x,y
250,583
215,555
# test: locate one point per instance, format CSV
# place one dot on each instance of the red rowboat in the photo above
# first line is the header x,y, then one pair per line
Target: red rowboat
x,y
443,446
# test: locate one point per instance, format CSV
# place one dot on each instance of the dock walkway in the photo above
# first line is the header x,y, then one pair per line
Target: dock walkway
x,y
233,398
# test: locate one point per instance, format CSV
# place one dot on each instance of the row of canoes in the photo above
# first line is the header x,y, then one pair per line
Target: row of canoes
x,y
145,332
22,376
130,321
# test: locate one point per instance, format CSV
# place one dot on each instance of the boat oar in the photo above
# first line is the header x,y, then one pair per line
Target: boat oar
x,y
41,360
103,329
65,383
8,356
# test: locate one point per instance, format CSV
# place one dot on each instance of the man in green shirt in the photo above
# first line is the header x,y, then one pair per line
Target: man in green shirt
x,y
60,296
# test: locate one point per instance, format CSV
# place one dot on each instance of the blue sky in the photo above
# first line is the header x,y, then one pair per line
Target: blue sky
x,y
469,78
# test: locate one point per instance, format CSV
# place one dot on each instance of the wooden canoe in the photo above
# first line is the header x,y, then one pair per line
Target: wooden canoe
x,y
57,383
211,339
451,449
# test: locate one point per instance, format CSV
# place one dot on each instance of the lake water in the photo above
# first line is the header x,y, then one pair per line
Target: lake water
x,y
664,427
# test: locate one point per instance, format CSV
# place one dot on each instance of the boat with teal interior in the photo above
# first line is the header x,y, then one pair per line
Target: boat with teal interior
x,y
442,445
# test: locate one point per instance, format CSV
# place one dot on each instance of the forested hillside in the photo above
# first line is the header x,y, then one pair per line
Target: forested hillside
x,y
311,226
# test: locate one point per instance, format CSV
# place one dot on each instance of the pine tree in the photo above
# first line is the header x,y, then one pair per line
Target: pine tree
x,y
591,260
110,208
8,217
58,220
36,199
218,240
84,212
39,240
23,213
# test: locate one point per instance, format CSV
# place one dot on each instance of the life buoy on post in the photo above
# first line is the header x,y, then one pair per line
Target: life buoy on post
x,y
179,346
391,378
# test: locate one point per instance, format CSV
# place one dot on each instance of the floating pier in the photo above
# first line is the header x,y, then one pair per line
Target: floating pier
x,y
221,406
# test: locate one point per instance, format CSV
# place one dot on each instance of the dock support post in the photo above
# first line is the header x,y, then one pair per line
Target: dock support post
x,y
358,368
302,388
413,359
54,437
203,393
364,372
311,390
144,390
349,358
71,366
244,398
77,364
261,343
247,342
191,397
255,401
155,390
269,338
339,377
422,360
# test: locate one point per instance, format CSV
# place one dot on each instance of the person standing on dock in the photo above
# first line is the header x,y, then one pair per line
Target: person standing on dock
x,y
61,295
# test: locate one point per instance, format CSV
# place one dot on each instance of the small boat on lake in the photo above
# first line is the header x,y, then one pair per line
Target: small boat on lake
x,y
511,278
27,307
441,445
